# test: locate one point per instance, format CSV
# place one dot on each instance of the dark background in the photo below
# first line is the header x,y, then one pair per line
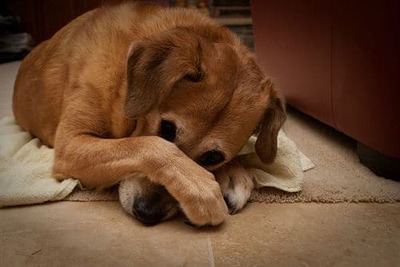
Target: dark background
x,y
42,18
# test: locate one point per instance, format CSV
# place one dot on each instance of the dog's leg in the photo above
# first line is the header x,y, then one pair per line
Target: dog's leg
x,y
236,184
149,202
98,162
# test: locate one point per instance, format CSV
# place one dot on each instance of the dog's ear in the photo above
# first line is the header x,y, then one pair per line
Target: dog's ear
x,y
154,66
274,117
148,83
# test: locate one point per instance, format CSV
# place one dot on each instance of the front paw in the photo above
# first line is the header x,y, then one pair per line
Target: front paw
x,y
203,204
236,185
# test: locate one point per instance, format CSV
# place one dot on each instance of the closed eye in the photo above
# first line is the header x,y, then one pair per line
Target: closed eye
x,y
194,77
167,130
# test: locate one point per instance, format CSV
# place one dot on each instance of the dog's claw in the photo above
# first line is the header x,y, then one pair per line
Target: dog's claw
x,y
236,184
231,208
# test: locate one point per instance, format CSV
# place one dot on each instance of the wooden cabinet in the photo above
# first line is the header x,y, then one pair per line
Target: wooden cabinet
x,y
366,72
293,42
338,61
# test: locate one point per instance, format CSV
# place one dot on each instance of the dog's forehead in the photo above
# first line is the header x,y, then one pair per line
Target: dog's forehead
x,y
232,65
219,57
228,76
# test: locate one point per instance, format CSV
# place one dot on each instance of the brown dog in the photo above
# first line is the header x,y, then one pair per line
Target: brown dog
x,y
162,95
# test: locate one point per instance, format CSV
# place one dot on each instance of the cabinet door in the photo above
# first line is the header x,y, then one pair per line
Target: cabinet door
x,y
293,43
365,72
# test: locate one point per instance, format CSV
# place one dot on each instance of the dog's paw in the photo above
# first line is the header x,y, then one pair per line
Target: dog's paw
x,y
202,202
236,184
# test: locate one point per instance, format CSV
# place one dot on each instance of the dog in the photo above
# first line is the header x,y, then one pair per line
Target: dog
x,y
163,98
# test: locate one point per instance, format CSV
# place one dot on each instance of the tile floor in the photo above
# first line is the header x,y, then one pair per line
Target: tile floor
x,y
6,86
101,234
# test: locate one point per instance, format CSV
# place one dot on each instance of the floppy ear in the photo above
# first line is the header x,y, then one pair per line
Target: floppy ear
x,y
274,117
148,84
154,66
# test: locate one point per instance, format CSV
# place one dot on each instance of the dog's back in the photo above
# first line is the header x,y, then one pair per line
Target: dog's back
x,y
42,78
94,45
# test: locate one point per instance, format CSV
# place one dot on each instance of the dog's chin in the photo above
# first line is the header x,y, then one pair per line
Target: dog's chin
x,y
150,208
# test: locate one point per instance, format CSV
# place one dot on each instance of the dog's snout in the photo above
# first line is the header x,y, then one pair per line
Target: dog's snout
x,y
212,157
148,211
167,130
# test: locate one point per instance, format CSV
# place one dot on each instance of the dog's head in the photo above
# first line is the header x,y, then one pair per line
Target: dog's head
x,y
201,89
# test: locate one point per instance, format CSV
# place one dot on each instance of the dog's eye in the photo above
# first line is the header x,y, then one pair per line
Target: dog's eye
x,y
167,130
194,77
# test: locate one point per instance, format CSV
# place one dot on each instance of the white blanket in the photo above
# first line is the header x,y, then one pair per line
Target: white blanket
x,y
25,168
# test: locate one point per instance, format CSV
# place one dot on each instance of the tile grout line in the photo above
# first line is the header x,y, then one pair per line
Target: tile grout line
x,y
210,252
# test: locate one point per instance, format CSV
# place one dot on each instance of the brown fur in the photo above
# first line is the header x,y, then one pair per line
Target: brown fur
x,y
98,89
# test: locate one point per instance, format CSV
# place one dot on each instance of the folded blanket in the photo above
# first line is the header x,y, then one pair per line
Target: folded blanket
x,y
25,168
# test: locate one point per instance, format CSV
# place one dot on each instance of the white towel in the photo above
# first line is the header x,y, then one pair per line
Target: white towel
x,y
285,173
25,168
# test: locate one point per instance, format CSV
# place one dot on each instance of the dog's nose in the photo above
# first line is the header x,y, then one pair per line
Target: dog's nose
x,y
148,210
212,157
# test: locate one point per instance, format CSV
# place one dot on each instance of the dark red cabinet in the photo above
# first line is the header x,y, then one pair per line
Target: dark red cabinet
x,y
338,61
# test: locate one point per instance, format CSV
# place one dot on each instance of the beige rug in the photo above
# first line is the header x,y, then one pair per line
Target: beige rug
x,y
337,177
